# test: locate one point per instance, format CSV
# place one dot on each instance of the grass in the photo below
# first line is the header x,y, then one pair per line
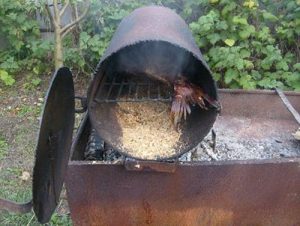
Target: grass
x,y
15,189
3,147
29,219
29,110
18,132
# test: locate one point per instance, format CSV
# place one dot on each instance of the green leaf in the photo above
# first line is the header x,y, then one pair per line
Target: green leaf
x,y
246,82
250,4
282,65
6,78
239,20
194,26
217,76
244,34
256,75
248,64
229,42
213,38
269,16
36,70
36,81
228,8
230,74
239,63
244,53
222,25
296,66
247,32
118,15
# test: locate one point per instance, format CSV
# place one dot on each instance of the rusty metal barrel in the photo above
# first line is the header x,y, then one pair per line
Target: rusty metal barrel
x,y
156,43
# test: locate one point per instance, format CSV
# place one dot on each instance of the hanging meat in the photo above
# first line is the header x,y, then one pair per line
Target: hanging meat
x,y
186,94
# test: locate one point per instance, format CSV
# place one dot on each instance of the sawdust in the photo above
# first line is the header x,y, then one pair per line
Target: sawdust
x,y
147,131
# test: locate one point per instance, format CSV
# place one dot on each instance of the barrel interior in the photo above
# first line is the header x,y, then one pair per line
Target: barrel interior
x,y
143,74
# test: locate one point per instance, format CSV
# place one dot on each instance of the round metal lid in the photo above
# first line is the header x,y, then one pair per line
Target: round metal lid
x,y
54,143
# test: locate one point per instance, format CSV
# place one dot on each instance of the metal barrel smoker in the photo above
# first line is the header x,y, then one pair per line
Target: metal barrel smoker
x,y
165,191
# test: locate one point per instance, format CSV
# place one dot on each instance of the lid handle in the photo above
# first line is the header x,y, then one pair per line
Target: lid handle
x,y
15,207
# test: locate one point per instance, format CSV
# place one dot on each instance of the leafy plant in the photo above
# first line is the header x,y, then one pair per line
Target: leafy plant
x,y
247,43
19,32
6,78
248,46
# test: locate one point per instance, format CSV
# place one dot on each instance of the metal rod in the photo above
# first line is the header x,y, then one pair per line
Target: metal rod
x,y
110,87
158,91
148,91
120,90
136,91
131,100
129,90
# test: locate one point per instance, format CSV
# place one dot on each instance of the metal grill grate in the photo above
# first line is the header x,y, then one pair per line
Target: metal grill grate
x,y
124,90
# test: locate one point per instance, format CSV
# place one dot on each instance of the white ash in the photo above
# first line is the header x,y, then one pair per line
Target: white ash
x,y
231,148
227,148
245,141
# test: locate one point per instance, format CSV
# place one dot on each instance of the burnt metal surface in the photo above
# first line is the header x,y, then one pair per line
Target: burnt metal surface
x,y
200,194
152,166
155,23
260,192
54,143
155,41
264,104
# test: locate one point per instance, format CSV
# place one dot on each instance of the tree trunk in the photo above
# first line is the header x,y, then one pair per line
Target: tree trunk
x,y
59,31
58,52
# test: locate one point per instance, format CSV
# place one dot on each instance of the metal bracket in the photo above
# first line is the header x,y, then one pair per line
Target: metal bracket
x,y
214,139
290,107
151,166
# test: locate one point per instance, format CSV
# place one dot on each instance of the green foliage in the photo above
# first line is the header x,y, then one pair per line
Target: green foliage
x,y
22,50
248,44
251,44
99,27
6,78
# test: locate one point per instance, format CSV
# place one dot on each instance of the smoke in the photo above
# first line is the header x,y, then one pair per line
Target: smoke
x,y
161,61
156,59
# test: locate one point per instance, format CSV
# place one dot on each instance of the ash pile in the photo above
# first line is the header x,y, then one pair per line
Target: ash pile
x,y
218,145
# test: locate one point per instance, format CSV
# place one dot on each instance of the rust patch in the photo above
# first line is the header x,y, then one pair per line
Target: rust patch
x,y
148,212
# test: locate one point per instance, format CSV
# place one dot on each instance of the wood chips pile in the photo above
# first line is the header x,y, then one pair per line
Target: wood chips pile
x,y
148,132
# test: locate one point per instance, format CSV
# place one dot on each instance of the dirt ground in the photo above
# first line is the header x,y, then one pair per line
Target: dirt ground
x,y
20,112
